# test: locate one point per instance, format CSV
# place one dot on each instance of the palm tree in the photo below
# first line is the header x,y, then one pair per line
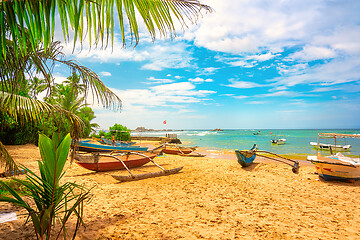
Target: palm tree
x,y
26,43
37,85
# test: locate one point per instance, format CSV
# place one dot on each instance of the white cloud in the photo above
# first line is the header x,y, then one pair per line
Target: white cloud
x,y
174,55
337,71
207,71
243,84
153,80
311,53
256,102
241,97
173,95
199,80
105,74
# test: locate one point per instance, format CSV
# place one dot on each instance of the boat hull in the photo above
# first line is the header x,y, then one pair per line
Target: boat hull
x,y
176,151
89,147
335,170
244,158
323,146
111,164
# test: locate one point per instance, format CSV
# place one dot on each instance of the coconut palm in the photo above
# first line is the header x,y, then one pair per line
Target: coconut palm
x,y
24,109
26,42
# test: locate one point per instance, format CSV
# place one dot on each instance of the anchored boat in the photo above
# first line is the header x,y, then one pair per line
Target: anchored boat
x,y
324,146
278,140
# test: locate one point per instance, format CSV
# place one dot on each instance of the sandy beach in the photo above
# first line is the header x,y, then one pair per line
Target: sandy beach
x,y
212,198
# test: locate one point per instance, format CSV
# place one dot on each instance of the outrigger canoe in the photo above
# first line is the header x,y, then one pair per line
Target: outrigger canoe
x,y
117,143
107,162
246,158
90,147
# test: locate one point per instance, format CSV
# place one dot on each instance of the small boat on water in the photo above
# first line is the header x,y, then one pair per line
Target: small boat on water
x,y
278,140
336,166
91,147
107,162
324,146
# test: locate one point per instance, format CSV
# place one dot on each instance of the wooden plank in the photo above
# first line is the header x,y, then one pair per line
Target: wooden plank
x,y
146,175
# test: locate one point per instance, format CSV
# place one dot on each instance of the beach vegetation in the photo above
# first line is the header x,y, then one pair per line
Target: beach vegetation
x,y
120,133
13,184
48,201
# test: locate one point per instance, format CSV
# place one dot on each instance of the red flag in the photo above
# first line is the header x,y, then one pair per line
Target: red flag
x,y
164,122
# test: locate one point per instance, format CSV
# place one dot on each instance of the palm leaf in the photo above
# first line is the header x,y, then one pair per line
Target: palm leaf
x,y
96,16
6,159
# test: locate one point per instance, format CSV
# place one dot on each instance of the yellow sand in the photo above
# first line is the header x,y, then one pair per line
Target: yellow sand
x,y
210,199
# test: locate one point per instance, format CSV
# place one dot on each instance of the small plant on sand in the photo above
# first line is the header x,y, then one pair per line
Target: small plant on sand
x,y
52,201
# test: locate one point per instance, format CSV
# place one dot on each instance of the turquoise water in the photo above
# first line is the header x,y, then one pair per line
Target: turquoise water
x,y
297,141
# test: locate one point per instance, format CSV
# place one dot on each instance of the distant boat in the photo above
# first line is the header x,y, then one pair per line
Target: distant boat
x,y
91,147
278,140
324,146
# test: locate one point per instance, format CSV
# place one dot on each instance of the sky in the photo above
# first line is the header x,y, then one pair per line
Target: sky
x,y
248,65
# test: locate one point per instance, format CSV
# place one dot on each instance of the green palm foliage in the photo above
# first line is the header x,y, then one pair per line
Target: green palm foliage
x,y
52,201
92,18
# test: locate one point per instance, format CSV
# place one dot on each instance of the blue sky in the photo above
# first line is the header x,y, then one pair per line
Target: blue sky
x,y
249,65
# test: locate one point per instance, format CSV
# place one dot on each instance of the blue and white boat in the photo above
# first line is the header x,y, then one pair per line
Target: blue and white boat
x,y
91,147
117,143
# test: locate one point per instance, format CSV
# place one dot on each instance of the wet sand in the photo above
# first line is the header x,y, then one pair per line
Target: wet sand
x,y
212,198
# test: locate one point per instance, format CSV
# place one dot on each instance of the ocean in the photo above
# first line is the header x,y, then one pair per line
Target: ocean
x,y
297,141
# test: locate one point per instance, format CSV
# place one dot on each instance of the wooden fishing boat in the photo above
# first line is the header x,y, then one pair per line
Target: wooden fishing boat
x,y
107,162
246,158
91,147
117,143
177,150
336,166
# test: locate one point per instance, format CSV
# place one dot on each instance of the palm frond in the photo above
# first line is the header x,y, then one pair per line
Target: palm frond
x,y
88,16
24,109
7,160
